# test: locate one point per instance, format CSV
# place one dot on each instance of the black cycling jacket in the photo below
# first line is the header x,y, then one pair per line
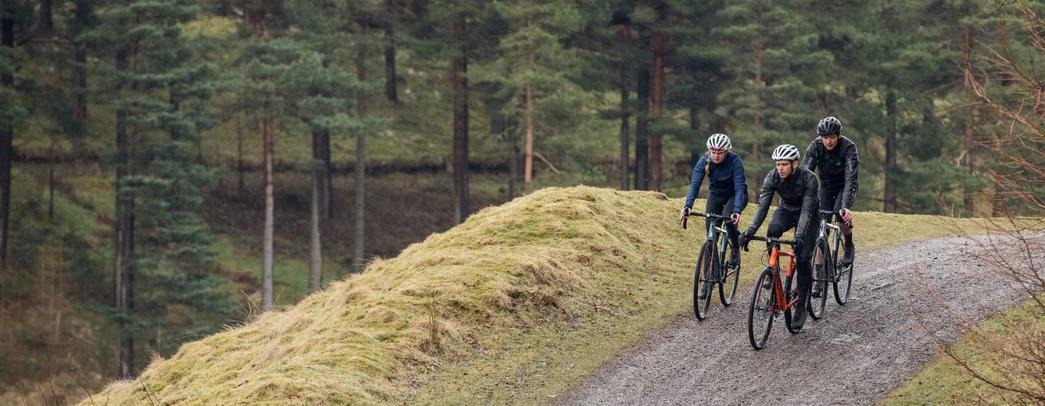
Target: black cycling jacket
x,y
799,192
838,167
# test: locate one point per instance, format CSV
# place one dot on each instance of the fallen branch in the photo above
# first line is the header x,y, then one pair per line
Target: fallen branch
x,y
541,157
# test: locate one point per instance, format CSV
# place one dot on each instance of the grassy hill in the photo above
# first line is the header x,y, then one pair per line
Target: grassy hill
x,y
514,305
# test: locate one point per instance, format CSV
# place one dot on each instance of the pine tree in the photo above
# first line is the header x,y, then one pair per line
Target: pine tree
x,y
533,69
776,66
703,73
895,75
458,32
164,249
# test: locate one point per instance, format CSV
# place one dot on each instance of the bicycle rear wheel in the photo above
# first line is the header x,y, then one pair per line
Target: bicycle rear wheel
x,y
702,282
760,310
821,260
727,290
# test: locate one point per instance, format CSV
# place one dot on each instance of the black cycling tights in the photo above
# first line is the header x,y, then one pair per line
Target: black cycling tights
x,y
784,220
723,206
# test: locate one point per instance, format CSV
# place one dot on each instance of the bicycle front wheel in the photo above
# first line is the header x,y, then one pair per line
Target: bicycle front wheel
x,y
760,311
821,260
727,290
702,282
843,284
790,296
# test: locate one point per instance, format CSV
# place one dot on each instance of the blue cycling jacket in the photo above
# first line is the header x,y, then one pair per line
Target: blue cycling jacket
x,y
725,179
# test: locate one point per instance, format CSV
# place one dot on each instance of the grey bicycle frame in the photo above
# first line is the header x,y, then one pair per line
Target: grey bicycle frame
x,y
825,233
713,230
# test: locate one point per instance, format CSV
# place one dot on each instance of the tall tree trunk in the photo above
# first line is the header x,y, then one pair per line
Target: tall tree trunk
x,y
528,165
80,83
694,122
497,128
173,130
756,145
889,201
642,180
459,77
968,197
319,174
694,125
255,16
359,227
82,18
660,48
327,188
124,270
315,259
46,22
321,153
625,125
390,64
998,202
760,84
239,156
50,191
6,139
270,202
513,172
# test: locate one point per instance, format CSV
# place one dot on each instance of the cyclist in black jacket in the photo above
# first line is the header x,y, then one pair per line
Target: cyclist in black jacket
x,y
799,206
839,162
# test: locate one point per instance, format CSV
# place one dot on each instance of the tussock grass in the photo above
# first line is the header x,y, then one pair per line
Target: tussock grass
x,y
943,381
514,305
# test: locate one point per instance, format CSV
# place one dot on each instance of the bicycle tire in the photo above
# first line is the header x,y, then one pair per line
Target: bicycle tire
x,y
727,290
702,280
817,304
761,306
790,293
843,284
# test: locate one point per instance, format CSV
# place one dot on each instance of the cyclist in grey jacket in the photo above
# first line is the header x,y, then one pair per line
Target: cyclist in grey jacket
x,y
837,158
799,206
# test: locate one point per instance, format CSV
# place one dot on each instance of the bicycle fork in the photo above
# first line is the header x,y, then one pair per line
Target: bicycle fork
x,y
719,246
781,303
825,233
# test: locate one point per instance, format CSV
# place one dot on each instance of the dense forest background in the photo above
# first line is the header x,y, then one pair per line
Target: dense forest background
x,y
168,168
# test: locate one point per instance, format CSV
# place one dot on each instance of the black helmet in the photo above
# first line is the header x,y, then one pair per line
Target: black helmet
x,y
829,126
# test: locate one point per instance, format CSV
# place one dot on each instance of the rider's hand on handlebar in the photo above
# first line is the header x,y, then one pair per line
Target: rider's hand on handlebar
x,y
736,218
744,240
682,214
847,215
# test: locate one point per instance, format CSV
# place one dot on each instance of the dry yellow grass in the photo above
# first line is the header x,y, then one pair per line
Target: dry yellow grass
x,y
513,305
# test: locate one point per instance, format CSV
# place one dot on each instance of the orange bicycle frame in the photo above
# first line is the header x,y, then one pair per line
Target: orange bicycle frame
x,y
774,261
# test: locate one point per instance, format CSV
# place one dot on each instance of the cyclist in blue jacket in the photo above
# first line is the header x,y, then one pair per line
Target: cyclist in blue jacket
x,y
727,187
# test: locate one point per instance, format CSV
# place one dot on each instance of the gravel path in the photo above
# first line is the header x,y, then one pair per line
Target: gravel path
x,y
853,355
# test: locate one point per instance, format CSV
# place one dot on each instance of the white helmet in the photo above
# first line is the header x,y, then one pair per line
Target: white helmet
x,y
786,152
719,141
